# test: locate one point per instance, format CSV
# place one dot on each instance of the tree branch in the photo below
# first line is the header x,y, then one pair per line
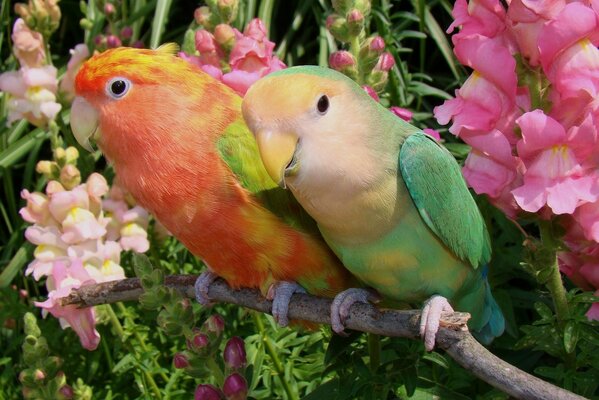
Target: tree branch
x,y
453,337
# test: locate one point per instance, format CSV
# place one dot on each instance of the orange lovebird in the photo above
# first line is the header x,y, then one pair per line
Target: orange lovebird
x,y
179,145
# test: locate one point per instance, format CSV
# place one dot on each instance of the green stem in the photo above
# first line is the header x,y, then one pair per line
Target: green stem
x,y
355,50
121,334
274,356
554,283
216,371
374,350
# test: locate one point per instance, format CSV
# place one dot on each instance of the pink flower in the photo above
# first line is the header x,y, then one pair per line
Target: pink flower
x,y
371,92
82,320
251,58
28,45
555,173
210,51
339,60
526,19
593,313
482,17
36,210
50,248
32,93
78,55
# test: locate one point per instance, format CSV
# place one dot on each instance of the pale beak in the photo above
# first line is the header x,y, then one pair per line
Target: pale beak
x,y
84,122
277,150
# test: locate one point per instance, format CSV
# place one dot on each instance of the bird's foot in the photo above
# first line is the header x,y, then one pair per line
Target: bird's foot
x,y
430,318
343,302
202,286
280,293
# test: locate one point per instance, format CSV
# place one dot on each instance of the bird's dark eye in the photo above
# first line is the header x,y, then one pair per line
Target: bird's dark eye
x,y
118,87
323,104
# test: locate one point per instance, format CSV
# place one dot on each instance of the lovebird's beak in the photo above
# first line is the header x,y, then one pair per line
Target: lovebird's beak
x,y
277,150
84,122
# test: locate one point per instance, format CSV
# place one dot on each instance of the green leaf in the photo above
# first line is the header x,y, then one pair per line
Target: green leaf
x,y
14,267
159,23
437,359
571,332
544,311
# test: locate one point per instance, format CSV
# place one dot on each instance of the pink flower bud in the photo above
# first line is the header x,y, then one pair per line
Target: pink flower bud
x,y
66,392
202,15
126,32
99,40
109,9
198,342
180,361
224,35
215,324
39,375
234,354
138,44
402,113
113,41
371,92
205,42
235,387
331,20
355,16
341,59
70,176
377,44
207,392
386,62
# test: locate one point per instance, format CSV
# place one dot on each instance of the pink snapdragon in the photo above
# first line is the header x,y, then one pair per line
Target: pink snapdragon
x,y
237,59
78,240
28,45
32,94
529,111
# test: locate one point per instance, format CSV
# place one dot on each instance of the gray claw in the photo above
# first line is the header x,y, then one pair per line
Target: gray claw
x,y
280,293
202,286
342,304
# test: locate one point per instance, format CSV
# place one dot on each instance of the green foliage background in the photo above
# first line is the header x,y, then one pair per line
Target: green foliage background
x,y
134,359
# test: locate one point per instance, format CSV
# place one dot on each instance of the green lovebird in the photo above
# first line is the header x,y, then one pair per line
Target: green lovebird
x,y
388,199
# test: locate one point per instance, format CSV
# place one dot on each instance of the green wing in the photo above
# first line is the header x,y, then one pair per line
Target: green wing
x,y
238,149
435,182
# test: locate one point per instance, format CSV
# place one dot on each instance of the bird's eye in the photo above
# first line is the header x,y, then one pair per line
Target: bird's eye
x,y
118,87
323,104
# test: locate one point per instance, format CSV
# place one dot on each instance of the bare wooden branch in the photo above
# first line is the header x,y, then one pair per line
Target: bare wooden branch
x,y
453,337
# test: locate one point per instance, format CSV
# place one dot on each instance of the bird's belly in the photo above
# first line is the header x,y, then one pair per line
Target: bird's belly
x,y
409,264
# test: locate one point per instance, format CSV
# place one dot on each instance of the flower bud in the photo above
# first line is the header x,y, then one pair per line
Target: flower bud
x,y
215,325
364,6
109,9
234,353
355,22
71,155
377,79
370,52
385,63
402,113
198,342
86,24
138,44
337,25
202,16
371,92
205,42
224,36
126,32
39,375
344,61
66,392
207,392
342,6
433,133
227,10
235,387
113,41
180,361
70,176
54,187
22,10
47,168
